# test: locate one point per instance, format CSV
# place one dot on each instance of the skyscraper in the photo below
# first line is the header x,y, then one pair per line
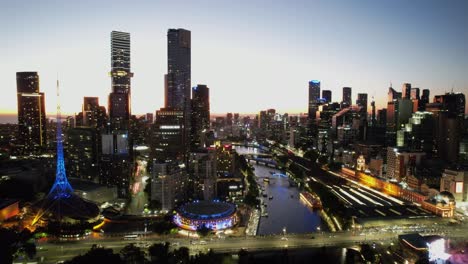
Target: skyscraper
x,y
346,102
327,96
119,98
168,135
399,112
424,100
200,113
393,95
406,90
362,102
31,112
178,77
94,115
116,156
314,95
415,94
448,111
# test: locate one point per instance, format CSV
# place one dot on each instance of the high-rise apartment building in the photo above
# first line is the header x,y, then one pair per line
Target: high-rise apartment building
x,y
119,98
31,112
116,164
94,115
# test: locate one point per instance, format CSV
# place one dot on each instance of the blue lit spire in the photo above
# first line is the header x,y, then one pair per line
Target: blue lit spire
x,y
61,187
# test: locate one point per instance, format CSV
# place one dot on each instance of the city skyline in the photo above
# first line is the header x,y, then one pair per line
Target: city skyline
x,y
228,58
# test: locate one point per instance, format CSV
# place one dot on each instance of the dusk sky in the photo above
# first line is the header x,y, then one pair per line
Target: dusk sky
x,y
253,55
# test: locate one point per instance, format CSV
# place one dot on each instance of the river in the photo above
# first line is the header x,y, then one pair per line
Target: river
x,y
285,210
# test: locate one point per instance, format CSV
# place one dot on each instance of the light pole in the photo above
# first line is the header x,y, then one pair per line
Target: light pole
x,y
284,231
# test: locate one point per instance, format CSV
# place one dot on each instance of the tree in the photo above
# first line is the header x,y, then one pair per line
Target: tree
x,y
30,249
181,255
97,255
203,230
8,245
159,253
132,254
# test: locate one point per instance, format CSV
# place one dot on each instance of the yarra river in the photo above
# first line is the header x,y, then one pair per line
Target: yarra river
x,y
284,209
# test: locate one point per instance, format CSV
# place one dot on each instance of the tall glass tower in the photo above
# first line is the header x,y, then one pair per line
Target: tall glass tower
x,y
178,77
119,98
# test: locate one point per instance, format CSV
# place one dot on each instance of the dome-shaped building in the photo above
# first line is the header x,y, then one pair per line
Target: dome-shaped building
x,y
216,215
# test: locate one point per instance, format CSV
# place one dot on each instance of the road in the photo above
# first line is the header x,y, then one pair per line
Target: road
x,y
53,252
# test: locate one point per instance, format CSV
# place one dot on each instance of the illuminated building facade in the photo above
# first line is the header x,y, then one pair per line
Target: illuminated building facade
x,y
455,182
8,209
82,153
119,98
214,215
168,184
115,161
31,113
168,135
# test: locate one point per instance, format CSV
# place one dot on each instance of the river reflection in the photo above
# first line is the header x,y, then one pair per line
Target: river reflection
x,y
284,209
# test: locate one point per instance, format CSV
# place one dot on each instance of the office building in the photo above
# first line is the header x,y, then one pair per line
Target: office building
x,y
168,184
406,91
417,134
393,95
424,100
31,113
347,100
82,153
361,101
314,96
115,159
168,135
398,113
455,182
402,163
327,96
200,114
203,167
178,77
93,114
415,94
448,112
